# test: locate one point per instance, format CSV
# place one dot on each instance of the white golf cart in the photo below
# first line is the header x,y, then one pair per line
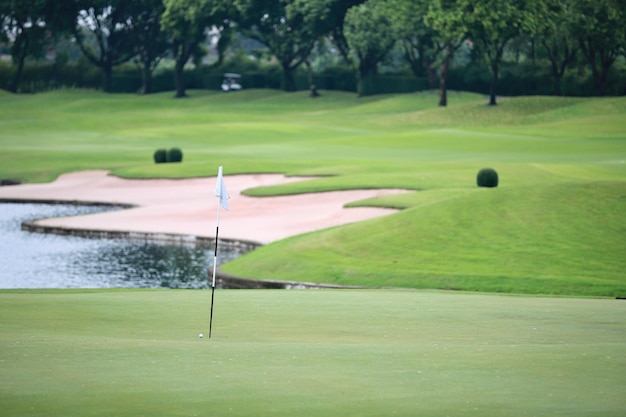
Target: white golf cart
x,y
231,82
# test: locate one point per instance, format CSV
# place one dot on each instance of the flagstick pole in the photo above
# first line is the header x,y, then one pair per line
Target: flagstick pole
x,y
217,232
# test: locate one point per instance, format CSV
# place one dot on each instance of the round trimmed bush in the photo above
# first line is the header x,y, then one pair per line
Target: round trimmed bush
x,y
487,177
174,155
160,156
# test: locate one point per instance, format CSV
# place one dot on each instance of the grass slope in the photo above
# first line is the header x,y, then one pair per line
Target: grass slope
x,y
553,225
557,239
309,353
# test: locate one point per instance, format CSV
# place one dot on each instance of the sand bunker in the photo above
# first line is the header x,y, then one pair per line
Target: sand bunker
x,y
188,206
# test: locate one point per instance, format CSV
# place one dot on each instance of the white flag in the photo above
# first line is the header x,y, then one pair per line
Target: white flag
x,y
220,190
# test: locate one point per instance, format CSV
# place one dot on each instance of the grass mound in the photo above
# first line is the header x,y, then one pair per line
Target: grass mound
x,y
554,239
561,159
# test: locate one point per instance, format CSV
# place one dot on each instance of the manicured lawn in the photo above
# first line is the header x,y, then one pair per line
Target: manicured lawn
x,y
309,353
553,226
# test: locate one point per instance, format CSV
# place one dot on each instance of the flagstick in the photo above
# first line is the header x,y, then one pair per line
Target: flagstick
x,y
222,194
217,232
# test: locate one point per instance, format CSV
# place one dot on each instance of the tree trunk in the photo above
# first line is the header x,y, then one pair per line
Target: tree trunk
x,y
600,62
179,80
367,74
601,77
557,79
147,78
20,67
432,74
289,80
443,96
312,86
107,77
182,55
494,84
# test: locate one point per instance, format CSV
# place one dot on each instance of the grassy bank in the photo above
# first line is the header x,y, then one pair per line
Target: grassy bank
x,y
553,226
309,353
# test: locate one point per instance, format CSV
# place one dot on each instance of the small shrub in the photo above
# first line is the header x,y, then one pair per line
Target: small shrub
x,y
174,155
160,156
487,177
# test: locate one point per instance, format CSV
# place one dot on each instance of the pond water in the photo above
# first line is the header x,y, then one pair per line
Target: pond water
x,y
34,260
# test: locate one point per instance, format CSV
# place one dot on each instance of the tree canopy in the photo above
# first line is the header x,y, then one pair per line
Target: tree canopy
x,y
421,37
367,29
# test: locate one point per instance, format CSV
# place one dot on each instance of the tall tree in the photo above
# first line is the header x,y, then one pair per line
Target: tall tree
x,y
30,25
186,23
285,34
447,18
24,21
415,35
599,25
152,42
327,18
337,11
492,25
315,15
557,39
370,36
104,34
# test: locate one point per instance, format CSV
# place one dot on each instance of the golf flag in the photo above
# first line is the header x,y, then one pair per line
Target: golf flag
x,y
220,190
222,194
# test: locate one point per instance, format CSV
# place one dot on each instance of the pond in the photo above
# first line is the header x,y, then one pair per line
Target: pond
x,y
34,260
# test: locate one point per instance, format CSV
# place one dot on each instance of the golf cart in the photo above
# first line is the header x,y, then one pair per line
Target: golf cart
x,y
231,82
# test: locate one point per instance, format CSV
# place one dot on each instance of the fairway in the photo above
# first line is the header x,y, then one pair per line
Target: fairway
x,y
553,226
309,353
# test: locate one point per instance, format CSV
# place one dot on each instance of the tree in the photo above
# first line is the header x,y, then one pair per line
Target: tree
x,y
152,42
559,43
492,25
314,14
599,25
415,35
368,31
325,21
25,23
186,22
446,17
31,26
283,31
104,34
335,23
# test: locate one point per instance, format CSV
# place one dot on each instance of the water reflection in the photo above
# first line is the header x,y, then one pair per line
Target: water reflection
x,y
33,260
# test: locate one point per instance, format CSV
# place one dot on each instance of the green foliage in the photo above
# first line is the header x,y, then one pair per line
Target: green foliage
x,y
598,25
288,32
487,177
557,36
492,24
174,155
185,21
171,155
364,28
160,156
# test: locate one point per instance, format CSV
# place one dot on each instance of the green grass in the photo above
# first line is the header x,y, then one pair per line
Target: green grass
x,y
309,353
553,226
544,240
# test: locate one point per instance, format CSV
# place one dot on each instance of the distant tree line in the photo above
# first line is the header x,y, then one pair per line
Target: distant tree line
x,y
431,40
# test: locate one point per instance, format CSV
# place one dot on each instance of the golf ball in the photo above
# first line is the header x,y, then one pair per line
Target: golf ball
x,y
200,335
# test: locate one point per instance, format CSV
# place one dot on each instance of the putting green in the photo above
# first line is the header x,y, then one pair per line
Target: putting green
x,y
309,353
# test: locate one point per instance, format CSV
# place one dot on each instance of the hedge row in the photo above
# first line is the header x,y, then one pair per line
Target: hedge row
x,y
518,79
